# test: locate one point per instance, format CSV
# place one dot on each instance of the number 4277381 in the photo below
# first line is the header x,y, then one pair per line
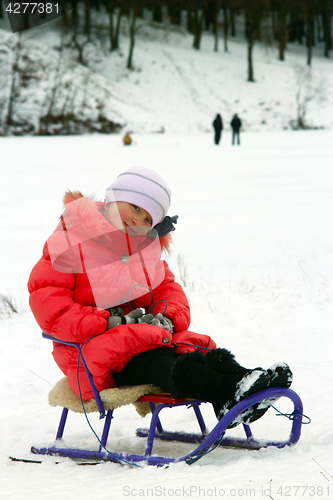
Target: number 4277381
x,y
32,8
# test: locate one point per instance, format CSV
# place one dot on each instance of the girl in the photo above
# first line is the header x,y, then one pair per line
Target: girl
x,y
101,282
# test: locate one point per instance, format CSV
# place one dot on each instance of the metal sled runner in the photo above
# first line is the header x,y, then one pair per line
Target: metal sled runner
x,y
206,440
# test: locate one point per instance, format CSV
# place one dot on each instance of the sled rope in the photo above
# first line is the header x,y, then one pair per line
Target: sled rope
x,y
291,416
151,310
117,459
176,344
197,457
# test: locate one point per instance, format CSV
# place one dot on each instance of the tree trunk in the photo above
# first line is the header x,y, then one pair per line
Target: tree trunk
x,y
87,20
157,13
232,21
275,25
327,32
196,39
112,31
190,23
215,25
282,33
249,61
75,15
132,21
199,17
225,28
310,37
174,13
13,86
119,15
309,54
301,107
319,25
55,85
64,10
44,124
254,14
296,28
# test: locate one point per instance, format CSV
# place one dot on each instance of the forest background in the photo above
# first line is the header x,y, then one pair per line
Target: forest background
x,y
52,81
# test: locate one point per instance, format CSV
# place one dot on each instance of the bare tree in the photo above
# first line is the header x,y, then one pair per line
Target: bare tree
x,y
134,11
19,69
225,8
326,12
310,6
5,76
281,7
215,12
51,95
132,29
307,91
115,14
174,11
75,15
255,11
87,18
14,85
198,12
233,12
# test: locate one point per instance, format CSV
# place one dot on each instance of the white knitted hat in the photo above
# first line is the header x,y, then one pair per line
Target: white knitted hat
x,y
142,187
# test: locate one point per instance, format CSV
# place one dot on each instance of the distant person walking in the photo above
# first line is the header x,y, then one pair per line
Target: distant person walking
x,y
218,127
235,125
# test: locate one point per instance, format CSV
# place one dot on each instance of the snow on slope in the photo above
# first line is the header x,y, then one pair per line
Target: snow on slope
x,y
176,89
198,84
254,247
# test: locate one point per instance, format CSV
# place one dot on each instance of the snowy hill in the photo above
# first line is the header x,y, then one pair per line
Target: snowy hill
x,y
183,89
173,88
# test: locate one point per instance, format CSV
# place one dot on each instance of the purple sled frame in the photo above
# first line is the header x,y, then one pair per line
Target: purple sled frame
x,y
206,440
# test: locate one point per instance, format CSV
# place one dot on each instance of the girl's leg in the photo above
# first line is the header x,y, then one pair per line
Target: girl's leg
x,y
191,377
150,367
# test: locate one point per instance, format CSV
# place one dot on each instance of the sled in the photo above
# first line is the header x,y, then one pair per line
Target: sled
x,y
205,440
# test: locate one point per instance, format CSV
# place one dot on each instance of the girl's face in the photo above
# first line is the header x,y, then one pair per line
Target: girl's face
x,y
129,218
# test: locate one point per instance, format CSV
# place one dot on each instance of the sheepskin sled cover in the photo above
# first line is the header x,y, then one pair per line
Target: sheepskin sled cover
x,y
62,395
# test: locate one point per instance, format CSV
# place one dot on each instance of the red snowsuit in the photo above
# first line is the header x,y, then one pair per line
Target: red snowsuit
x,y
88,266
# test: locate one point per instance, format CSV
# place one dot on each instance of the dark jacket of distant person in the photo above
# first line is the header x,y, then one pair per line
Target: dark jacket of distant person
x,y
218,122
236,123
218,127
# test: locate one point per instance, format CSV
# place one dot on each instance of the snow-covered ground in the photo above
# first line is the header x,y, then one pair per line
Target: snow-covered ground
x,y
253,248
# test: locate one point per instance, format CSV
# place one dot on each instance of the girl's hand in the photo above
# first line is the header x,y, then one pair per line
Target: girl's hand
x,y
163,322
131,318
